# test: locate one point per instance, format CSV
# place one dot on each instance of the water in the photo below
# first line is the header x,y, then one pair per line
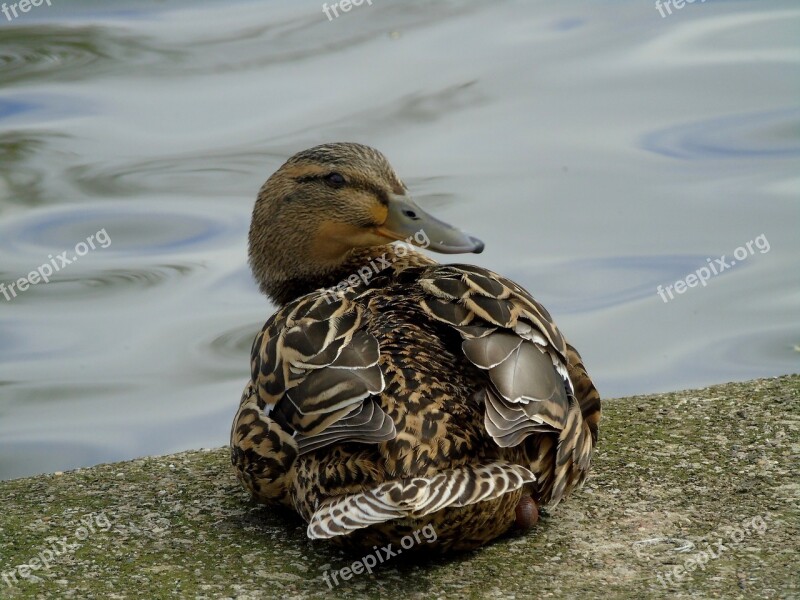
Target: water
x,y
598,149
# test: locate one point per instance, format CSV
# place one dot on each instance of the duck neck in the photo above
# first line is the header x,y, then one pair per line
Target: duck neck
x,y
358,268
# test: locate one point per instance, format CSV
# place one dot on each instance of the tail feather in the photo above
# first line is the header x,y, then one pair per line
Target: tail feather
x,y
573,455
416,497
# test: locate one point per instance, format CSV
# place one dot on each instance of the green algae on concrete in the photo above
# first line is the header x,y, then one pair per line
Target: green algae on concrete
x,y
693,494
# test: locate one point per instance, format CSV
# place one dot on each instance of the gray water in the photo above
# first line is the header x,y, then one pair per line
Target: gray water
x,y
599,149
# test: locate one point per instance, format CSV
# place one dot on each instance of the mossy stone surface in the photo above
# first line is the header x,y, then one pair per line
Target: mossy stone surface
x,y
693,494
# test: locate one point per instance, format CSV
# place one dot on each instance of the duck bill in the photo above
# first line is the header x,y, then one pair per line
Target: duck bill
x,y
408,222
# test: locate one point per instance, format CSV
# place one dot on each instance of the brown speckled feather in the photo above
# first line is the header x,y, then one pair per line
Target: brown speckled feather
x,y
513,338
436,394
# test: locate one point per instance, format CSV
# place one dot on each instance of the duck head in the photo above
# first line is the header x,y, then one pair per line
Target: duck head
x,y
326,210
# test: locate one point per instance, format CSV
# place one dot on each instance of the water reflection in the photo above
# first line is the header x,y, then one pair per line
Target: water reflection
x,y
54,53
132,229
210,174
771,134
551,132
98,285
635,278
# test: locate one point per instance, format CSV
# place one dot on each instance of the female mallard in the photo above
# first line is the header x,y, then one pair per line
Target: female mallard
x,y
407,394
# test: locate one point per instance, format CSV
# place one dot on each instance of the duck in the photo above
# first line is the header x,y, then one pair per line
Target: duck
x,y
389,393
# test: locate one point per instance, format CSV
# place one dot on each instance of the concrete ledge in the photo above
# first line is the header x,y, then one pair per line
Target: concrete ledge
x,y
693,494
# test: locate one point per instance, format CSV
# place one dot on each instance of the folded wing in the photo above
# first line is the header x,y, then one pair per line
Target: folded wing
x,y
529,365
314,375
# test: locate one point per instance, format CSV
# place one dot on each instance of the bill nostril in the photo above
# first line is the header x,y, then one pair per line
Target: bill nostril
x,y
411,214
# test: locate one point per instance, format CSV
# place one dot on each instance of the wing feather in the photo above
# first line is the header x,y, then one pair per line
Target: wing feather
x,y
314,370
536,382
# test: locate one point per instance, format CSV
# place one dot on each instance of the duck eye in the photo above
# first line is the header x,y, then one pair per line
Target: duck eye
x,y
335,180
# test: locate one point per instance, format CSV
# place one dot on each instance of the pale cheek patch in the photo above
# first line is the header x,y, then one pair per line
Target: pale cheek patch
x,y
379,213
333,240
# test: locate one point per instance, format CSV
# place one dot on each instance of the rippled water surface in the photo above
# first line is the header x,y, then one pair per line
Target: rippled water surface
x,y
598,149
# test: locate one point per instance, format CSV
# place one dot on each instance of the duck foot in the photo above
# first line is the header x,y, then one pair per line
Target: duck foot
x,y
527,512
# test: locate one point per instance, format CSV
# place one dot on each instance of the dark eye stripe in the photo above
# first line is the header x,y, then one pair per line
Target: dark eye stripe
x,y
336,179
379,193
